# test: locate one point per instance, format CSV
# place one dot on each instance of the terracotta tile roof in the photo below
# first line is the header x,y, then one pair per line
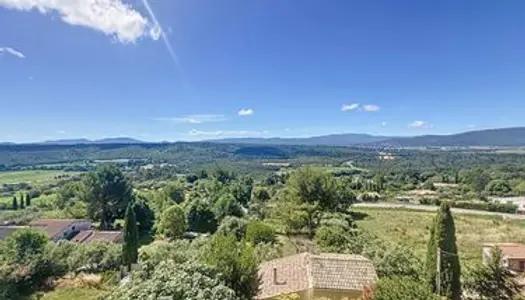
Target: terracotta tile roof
x,y
306,271
88,236
342,272
510,250
52,226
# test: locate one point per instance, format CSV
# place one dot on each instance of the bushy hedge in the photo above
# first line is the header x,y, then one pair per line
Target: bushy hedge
x,y
487,206
475,205
260,232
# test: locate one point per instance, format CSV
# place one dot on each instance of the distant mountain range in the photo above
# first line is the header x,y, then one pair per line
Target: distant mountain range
x,y
502,137
324,140
119,140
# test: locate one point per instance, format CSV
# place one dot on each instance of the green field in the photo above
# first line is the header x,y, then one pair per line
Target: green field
x,y
411,228
33,177
73,294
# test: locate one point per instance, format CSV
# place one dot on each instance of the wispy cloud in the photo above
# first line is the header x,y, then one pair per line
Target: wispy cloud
x,y
11,51
349,107
195,119
245,112
371,108
471,126
383,124
226,133
114,18
61,131
420,124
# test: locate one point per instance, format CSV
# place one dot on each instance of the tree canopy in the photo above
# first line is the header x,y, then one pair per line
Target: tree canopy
x,y
107,194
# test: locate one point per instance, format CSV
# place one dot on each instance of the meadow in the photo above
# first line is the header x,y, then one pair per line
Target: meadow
x,y
72,293
411,228
33,177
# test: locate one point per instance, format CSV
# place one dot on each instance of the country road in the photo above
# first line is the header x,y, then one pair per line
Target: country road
x,y
435,208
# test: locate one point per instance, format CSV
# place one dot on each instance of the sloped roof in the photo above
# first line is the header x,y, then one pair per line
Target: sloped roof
x,y
5,231
324,271
53,226
510,250
88,236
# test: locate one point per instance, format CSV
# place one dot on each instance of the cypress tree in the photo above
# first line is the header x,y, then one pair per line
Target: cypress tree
x,y
15,203
28,200
22,204
443,236
131,237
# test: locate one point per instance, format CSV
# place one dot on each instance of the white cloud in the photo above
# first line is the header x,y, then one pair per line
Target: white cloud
x,y
371,108
348,107
226,133
61,132
420,124
383,124
111,17
245,112
195,119
11,51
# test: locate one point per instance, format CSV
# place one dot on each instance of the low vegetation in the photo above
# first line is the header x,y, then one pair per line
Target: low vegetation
x,y
198,219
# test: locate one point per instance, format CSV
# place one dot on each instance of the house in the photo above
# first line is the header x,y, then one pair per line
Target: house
x,y
89,236
513,255
5,231
332,276
57,229
518,201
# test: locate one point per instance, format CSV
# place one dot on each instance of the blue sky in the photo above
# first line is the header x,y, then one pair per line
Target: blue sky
x,y
190,70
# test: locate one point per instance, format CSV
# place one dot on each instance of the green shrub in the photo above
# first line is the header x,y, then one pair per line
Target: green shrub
x,y
172,223
260,232
332,238
236,261
486,206
97,257
233,225
402,288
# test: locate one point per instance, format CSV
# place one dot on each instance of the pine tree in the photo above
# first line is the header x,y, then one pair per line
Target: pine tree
x,y
15,203
443,236
22,204
131,237
28,200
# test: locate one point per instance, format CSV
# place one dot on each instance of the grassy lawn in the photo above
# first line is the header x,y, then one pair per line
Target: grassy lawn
x,y
33,176
411,228
73,294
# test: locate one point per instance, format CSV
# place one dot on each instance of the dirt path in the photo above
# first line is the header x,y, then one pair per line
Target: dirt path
x,y
435,208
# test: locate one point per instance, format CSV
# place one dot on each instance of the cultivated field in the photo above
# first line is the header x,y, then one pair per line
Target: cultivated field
x,y
411,228
34,177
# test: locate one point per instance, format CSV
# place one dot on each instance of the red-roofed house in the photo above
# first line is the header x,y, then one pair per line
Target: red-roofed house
x,y
88,236
58,229
327,276
513,255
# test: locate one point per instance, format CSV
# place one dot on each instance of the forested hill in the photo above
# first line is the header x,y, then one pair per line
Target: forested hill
x,y
503,137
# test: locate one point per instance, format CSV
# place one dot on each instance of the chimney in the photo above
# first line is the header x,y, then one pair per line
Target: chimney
x,y
275,281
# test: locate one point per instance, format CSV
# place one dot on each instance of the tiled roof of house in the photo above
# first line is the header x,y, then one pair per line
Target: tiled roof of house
x,y
5,231
52,226
305,271
88,236
510,250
